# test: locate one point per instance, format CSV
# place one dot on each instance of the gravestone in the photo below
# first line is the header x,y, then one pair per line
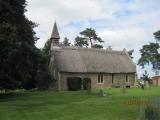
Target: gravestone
x,y
101,93
147,84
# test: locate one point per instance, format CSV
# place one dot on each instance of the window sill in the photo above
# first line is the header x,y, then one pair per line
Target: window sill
x,y
100,83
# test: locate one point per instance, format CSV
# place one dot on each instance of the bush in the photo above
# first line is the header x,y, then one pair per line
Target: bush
x,y
87,84
151,111
28,84
44,80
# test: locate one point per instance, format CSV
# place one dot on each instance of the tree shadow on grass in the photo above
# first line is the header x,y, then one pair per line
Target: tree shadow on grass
x,y
13,96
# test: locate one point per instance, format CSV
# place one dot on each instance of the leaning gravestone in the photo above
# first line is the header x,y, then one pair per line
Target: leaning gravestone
x,y
147,84
101,93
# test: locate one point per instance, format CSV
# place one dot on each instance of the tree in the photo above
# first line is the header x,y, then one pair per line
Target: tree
x,y
19,57
150,55
89,38
80,42
157,35
97,46
130,52
145,77
7,32
44,78
66,42
47,47
46,50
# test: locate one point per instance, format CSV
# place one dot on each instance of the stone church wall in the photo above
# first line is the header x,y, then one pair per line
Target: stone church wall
x,y
109,80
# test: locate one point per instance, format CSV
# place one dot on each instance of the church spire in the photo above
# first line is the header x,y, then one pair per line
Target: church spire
x,y
55,35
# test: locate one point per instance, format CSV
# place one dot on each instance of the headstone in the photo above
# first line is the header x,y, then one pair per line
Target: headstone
x,y
101,93
147,84
124,90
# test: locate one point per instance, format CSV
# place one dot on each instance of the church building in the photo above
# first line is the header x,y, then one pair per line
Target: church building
x,y
105,67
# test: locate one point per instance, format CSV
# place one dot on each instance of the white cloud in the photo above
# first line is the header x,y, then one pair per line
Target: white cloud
x,y
64,11
124,37
126,24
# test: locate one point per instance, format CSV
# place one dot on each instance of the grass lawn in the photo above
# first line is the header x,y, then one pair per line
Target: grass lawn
x,y
78,105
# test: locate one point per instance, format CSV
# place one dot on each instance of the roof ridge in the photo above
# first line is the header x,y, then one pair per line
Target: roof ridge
x,y
94,49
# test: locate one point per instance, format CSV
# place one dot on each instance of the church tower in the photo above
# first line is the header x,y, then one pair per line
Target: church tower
x,y
55,35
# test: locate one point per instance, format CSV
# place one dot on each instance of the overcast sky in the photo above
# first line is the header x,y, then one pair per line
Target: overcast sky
x,y
120,23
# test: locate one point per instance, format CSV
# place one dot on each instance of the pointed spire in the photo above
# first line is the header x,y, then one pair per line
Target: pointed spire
x,y
55,35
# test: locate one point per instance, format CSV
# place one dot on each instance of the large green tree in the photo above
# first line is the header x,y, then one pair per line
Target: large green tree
x,y
44,78
47,47
46,50
89,39
150,53
66,42
19,57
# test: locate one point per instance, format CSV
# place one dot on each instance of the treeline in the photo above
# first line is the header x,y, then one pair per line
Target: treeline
x,y
22,65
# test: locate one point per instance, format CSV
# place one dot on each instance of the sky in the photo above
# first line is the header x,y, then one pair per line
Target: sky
x,y
120,23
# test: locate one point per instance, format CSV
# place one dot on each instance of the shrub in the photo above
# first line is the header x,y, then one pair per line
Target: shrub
x,y
44,80
28,84
151,111
87,84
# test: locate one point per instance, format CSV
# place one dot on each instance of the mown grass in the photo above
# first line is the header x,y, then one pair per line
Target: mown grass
x,y
67,105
